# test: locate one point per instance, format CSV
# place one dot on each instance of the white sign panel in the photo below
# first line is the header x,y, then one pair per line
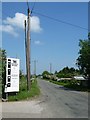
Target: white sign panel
x,y
12,75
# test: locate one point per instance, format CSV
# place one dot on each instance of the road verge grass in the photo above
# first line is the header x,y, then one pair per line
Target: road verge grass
x,y
71,85
23,94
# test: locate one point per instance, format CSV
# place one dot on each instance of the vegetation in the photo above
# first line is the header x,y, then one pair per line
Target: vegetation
x,y
83,60
23,93
83,63
3,70
2,64
46,75
73,84
67,72
64,73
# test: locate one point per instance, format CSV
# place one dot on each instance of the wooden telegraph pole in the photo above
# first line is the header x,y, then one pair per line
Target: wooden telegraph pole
x,y
28,51
50,67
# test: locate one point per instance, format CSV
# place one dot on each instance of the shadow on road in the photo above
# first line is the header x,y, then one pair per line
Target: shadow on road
x,y
68,89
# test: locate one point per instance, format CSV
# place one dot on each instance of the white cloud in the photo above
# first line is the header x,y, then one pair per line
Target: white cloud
x,y
37,42
11,25
9,29
35,24
18,21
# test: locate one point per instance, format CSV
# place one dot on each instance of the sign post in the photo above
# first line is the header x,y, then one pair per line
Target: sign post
x,y
12,75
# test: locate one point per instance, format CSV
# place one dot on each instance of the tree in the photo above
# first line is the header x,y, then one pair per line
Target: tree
x,y
45,73
83,60
66,72
55,72
3,64
20,74
72,70
3,70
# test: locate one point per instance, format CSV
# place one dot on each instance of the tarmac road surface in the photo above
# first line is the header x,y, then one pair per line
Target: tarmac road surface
x,y
54,102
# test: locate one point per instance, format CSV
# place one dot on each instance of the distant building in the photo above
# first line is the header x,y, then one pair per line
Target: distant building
x,y
83,81
79,78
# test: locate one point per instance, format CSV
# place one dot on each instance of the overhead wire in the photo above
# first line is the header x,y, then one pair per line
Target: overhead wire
x,y
33,7
55,19
58,20
49,17
27,4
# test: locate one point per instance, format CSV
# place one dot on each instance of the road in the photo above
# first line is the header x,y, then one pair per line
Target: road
x,y
54,102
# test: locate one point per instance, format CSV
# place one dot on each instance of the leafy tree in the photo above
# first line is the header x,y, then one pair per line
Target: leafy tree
x,y
45,73
3,64
72,70
20,74
56,72
77,72
83,60
3,69
67,72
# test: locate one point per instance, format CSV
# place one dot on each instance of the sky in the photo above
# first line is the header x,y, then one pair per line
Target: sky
x,y
51,41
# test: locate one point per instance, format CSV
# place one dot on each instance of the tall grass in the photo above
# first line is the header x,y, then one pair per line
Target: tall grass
x,y
23,93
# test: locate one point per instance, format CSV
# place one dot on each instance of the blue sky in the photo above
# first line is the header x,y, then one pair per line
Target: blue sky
x,y
51,41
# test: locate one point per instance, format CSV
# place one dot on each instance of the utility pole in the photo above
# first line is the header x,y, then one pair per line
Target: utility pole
x,y
27,49
26,52
50,67
35,68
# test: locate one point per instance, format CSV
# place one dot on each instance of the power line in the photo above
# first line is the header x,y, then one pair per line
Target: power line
x,y
58,20
27,4
54,19
33,7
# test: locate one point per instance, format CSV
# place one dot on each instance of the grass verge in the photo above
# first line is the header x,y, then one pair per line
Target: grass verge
x,y
23,93
71,84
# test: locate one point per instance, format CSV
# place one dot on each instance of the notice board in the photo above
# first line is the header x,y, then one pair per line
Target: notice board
x,y
12,75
